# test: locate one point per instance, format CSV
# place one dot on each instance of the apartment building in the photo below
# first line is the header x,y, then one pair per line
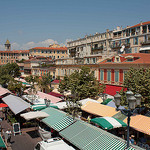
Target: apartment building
x,y
112,70
53,51
131,39
11,56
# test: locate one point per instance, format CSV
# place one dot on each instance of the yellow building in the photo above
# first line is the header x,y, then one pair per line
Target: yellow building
x,y
54,51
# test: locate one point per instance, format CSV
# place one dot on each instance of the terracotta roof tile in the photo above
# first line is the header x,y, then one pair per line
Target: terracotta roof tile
x,y
50,48
15,51
142,58
143,23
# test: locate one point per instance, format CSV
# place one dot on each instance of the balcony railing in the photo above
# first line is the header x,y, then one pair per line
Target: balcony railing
x,y
98,48
120,45
72,50
115,46
147,42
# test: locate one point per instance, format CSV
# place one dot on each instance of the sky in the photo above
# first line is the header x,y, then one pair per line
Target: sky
x,y
39,23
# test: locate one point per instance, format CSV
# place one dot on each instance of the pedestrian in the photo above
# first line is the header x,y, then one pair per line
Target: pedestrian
x,y
131,139
89,118
8,132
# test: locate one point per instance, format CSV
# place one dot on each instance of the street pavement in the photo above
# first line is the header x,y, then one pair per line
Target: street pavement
x,y
26,141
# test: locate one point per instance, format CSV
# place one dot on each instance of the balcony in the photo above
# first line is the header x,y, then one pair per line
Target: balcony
x,y
97,48
115,46
147,42
126,45
72,50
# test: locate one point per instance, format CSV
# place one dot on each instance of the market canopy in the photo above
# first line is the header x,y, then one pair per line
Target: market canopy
x,y
2,143
15,103
3,105
140,123
58,120
42,106
34,114
108,122
50,97
99,109
88,137
3,91
84,101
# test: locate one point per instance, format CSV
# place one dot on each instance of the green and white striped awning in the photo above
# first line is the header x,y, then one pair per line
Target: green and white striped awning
x,y
42,106
108,122
58,120
87,137
62,124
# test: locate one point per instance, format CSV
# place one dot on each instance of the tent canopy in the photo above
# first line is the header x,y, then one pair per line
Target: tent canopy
x,y
42,106
34,114
108,122
16,104
3,105
2,143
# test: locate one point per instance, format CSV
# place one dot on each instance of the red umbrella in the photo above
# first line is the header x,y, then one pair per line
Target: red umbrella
x,y
3,105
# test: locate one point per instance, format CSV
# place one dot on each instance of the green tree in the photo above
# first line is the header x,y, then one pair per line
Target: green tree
x,y
138,81
8,72
45,83
16,86
82,82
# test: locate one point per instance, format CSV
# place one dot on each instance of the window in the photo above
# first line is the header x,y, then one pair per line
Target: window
x,y
116,76
135,41
57,56
148,28
129,59
42,51
108,60
135,49
124,74
54,52
38,51
88,61
102,75
94,60
108,75
63,52
34,51
144,29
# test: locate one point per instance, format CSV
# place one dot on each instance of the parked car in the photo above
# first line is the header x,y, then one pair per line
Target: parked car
x,y
53,144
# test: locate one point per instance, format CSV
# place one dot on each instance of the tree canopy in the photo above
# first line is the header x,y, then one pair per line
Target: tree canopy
x,y
8,72
82,82
138,81
45,83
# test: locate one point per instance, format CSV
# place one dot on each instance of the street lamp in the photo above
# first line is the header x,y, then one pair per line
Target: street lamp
x,y
133,101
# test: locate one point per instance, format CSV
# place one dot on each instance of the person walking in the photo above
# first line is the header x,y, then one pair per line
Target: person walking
x,y
8,132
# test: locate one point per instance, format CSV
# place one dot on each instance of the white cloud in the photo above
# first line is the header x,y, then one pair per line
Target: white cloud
x,y
31,44
2,47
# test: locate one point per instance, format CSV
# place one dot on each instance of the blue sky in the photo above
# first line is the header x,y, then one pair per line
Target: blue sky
x,y
30,23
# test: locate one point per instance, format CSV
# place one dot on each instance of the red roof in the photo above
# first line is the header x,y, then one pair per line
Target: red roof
x,y
56,81
141,58
112,89
51,48
15,51
142,23
55,94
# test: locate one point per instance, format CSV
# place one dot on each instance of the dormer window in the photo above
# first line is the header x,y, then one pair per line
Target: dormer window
x,y
109,60
129,58
117,59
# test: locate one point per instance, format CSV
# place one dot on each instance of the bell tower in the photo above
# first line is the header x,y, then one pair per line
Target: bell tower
x,y
7,45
